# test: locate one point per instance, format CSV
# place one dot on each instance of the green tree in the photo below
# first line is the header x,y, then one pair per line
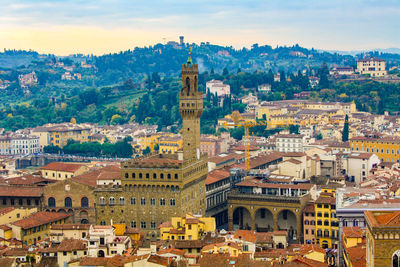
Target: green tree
x,y
294,129
146,150
345,133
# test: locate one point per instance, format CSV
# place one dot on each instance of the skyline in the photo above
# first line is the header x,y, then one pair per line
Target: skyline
x,y
106,26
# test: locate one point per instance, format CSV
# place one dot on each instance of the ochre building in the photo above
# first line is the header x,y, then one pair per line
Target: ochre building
x,y
157,187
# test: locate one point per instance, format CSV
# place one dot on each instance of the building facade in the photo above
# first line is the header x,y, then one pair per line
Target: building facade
x,y
386,148
157,187
373,66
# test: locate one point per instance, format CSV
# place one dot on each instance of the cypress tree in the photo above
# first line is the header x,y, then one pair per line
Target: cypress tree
x,y
345,133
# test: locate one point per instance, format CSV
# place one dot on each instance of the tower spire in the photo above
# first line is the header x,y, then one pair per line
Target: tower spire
x,y
189,61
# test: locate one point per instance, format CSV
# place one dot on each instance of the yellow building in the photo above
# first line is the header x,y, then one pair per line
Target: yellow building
x,y
5,144
59,134
151,140
135,234
386,148
36,226
59,232
62,170
170,144
347,108
186,228
264,112
327,226
353,240
313,252
372,66
275,121
9,215
230,248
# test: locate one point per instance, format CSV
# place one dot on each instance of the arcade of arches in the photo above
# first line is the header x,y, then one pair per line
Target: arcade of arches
x,y
266,220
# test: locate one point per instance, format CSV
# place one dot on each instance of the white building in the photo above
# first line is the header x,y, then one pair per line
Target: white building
x,y
290,142
19,145
373,66
341,71
264,88
27,80
359,165
217,87
104,243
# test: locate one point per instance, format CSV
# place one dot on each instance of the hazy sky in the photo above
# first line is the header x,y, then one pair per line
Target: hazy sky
x,y
102,26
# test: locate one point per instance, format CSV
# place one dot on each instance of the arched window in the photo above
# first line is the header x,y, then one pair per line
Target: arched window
x,y
306,222
396,259
68,202
126,175
102,201
172,201
122,201
162,201
84,202
112,201
188,85
51,202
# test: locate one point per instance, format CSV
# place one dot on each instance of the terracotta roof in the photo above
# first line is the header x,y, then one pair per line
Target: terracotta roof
x,y
62,166
40,218
262,159
6,210
294,154
306,262
383,219
180,244
165,224
72,244
309,208
7,262
308,248
219,158
93,261
246,235
264,237
353,232
326,200
16,252
20,191
5,227
165,261
357,255
27,180
171,251
216,176
90,178
360,155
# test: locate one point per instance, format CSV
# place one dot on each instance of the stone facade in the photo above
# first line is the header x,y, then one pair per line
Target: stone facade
x,y
383,238
72,197
267,213
157,187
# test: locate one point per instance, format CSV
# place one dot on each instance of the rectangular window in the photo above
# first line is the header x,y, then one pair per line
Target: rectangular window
x,y
143,225
142,201
133,201
152,202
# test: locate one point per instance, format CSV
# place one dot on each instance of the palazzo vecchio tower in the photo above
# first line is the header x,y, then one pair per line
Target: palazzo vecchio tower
x,y
157,187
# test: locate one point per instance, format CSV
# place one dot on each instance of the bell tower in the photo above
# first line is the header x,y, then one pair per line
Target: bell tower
x,y
190,108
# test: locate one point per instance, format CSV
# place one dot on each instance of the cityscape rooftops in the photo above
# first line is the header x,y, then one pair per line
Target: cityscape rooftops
x,y
62,166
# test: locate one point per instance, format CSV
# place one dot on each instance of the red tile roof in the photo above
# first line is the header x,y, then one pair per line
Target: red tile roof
x,y
62,166
90,178
353,232
71,245
216,176
252,183
308,248
246,235
6,210
171,251
40,218
20,191
383,219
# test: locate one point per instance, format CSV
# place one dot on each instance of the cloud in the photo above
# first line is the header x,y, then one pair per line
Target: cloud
x,y
329,24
